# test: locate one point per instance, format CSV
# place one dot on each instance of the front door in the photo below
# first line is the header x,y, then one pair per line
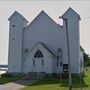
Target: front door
x,y
38,57
38,65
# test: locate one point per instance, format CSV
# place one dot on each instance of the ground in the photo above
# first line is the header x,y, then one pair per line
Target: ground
x,y
16,85
50,83
54,83
4,79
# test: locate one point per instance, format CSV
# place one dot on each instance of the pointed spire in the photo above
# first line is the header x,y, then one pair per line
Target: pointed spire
x,y
69,11
16,13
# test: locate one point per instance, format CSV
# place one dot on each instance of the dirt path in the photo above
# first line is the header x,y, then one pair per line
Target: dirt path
x,y
17,85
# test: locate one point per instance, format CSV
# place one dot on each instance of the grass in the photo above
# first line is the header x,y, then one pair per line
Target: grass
x,y
54,84
7,79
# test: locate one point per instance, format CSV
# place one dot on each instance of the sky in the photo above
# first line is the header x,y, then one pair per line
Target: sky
x,y
54,8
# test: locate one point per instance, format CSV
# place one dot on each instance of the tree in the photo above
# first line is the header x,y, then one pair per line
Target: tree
x,y
86,57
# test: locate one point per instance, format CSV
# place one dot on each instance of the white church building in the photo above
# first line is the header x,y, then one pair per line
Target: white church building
x,y
41,45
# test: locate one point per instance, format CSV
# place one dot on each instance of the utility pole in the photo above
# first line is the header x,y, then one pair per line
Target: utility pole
x,y
68,52
69,59
22,65
80,76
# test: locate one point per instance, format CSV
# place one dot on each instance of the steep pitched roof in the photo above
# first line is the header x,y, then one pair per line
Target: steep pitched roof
x,y
68,11
47,48
81,48
42,13
15,13
40,43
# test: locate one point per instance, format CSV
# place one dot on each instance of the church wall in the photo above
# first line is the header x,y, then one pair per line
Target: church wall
x,y
48,62
74,42
15,44
47,32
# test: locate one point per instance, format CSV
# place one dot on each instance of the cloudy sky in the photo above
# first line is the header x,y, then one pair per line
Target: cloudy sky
x,y
30,9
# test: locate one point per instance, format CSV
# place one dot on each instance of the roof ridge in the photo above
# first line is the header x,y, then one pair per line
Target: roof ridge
x,y
38,42
18,14
38,16
69,10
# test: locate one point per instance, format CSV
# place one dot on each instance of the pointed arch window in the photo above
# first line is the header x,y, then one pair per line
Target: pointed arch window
x,y
59,57
38,54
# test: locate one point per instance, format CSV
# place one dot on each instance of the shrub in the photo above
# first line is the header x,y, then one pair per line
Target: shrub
x,y
65,75
54,75
6,75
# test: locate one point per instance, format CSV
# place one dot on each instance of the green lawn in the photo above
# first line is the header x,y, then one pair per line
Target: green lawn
x,y
54,84
4,80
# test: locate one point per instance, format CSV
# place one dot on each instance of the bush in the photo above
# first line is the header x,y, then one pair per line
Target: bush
x,y
54,75
6,75
65,75
87,63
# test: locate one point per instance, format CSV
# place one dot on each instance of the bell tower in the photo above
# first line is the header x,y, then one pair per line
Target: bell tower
x,y
71,26
16,25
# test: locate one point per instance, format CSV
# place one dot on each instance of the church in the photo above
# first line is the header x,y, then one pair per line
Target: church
x,y
42,45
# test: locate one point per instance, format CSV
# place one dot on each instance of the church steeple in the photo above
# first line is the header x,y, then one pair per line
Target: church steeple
x,y
70,13
71,27
15,14
16,25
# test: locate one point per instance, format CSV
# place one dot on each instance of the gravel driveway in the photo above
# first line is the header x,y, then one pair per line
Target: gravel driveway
x,y
17,85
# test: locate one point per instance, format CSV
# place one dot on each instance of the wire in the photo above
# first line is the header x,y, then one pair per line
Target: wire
x,y
85,17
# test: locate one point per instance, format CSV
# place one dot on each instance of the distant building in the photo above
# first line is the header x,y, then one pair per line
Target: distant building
x,y
41,46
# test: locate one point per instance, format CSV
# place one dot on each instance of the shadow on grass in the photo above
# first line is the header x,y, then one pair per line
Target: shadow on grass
x,y
75,82
64,82
54,81
5,80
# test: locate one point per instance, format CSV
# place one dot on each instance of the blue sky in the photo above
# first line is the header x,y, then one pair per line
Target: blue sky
x,y
30,9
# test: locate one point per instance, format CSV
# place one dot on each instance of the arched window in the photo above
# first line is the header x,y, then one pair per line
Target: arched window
x,y
34,64
59,57
38,54
60,53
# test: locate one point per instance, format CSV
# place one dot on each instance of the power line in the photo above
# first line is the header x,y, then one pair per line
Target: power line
x,y
85,17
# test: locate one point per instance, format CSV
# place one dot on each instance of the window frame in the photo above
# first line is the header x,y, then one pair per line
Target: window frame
x,y
38,54
65,67
42,62
34,64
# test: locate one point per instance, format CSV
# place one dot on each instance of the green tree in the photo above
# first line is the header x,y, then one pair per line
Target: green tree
x,y
86,59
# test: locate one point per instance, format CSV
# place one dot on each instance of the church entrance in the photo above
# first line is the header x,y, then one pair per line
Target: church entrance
x,y
38,65
38,61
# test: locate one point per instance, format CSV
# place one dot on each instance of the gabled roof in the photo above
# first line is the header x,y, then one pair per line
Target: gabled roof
x,y
16,13
42,13
39,43
68,11
81,48
47,48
